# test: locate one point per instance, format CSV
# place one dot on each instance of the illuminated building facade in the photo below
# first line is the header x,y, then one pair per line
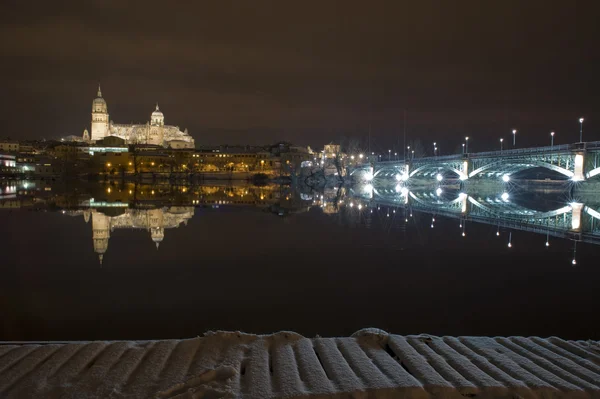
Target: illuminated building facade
x,y
154,132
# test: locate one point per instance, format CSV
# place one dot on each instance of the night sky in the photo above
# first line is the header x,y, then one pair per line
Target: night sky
x,y
309,72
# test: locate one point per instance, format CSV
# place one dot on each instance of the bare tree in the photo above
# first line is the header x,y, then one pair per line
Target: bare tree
x,y
418,148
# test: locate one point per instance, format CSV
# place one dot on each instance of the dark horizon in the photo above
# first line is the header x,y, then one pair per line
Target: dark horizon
x,y
266,72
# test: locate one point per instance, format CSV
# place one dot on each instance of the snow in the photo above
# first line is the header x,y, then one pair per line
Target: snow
x,y
369,364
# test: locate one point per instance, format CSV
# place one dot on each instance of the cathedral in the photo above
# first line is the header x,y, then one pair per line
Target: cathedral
x,y
153,132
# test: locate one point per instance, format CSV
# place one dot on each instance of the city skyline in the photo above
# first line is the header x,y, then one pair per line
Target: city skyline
x,y
328,72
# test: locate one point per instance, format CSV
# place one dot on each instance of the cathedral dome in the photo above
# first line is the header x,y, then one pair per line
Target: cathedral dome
x,y
99,105
157,117
157,113
157,234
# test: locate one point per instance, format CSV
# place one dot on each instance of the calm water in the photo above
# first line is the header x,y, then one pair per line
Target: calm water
x,y
143,262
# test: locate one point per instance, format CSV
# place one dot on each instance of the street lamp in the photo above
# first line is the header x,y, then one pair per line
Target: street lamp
x,y
551,139
389,155
467,146
407,151
514,132
581,130
396,156
434,148
361,156
463,145
412,156
501,142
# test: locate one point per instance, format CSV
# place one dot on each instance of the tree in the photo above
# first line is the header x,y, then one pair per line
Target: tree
x,y
418,148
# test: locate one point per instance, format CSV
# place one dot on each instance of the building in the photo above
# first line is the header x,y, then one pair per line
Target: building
x,y
232,159
8,145
154,132
8,163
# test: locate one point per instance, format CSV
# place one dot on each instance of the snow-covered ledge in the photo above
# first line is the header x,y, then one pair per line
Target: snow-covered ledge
x,y
369,364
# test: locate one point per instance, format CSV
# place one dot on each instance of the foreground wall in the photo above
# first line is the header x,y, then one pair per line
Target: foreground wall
x,y
370,364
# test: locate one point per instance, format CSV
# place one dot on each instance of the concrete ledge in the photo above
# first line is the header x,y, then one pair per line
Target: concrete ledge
x,y
369,364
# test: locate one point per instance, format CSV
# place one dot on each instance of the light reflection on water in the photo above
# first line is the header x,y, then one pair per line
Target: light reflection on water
x,y
246,250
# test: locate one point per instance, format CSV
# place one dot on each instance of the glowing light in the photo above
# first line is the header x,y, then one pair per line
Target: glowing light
x,y
404,192
432,225
108,164
574,261
398,188
130,192
580,120
505,178
439,177
108,190
351,204
438,191
398,177
505,197
498,233
152,163
509,245
152,192
463,234
361,156
359,206
547,244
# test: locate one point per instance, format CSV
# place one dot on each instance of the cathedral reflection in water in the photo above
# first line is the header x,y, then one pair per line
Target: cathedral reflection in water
x,y
155,221
159,207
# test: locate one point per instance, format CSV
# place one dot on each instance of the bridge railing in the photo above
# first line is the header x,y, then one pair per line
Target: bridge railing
x,y
520,151
591,145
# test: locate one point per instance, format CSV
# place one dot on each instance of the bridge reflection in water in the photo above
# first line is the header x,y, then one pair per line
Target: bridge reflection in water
x,y
573,220
158,208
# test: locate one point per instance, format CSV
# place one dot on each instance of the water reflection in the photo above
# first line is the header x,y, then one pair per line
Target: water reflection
x,y
158,208
263,259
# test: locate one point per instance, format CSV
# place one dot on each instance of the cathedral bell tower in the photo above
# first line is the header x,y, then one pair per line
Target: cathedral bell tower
x,y
99,117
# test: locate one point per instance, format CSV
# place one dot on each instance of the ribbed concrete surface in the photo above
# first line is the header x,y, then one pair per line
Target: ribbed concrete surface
x,y
369,364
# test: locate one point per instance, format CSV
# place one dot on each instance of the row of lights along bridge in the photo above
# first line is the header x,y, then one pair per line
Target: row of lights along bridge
x,y
410,154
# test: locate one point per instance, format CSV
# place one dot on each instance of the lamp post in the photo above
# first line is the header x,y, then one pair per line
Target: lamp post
x,y
412,155
407,151
514,132
467,144
389,155
395,156
581,130
463,145
501,142
551,139
434,148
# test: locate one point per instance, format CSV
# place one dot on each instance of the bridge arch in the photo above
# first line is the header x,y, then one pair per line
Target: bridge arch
x,y
528,165
535,214
442,167
393,169
593,173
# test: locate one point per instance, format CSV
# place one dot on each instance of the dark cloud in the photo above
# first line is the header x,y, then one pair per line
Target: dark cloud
x,y
309,72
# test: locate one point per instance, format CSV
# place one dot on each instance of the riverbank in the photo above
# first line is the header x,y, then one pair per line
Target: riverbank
x,y
371,363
